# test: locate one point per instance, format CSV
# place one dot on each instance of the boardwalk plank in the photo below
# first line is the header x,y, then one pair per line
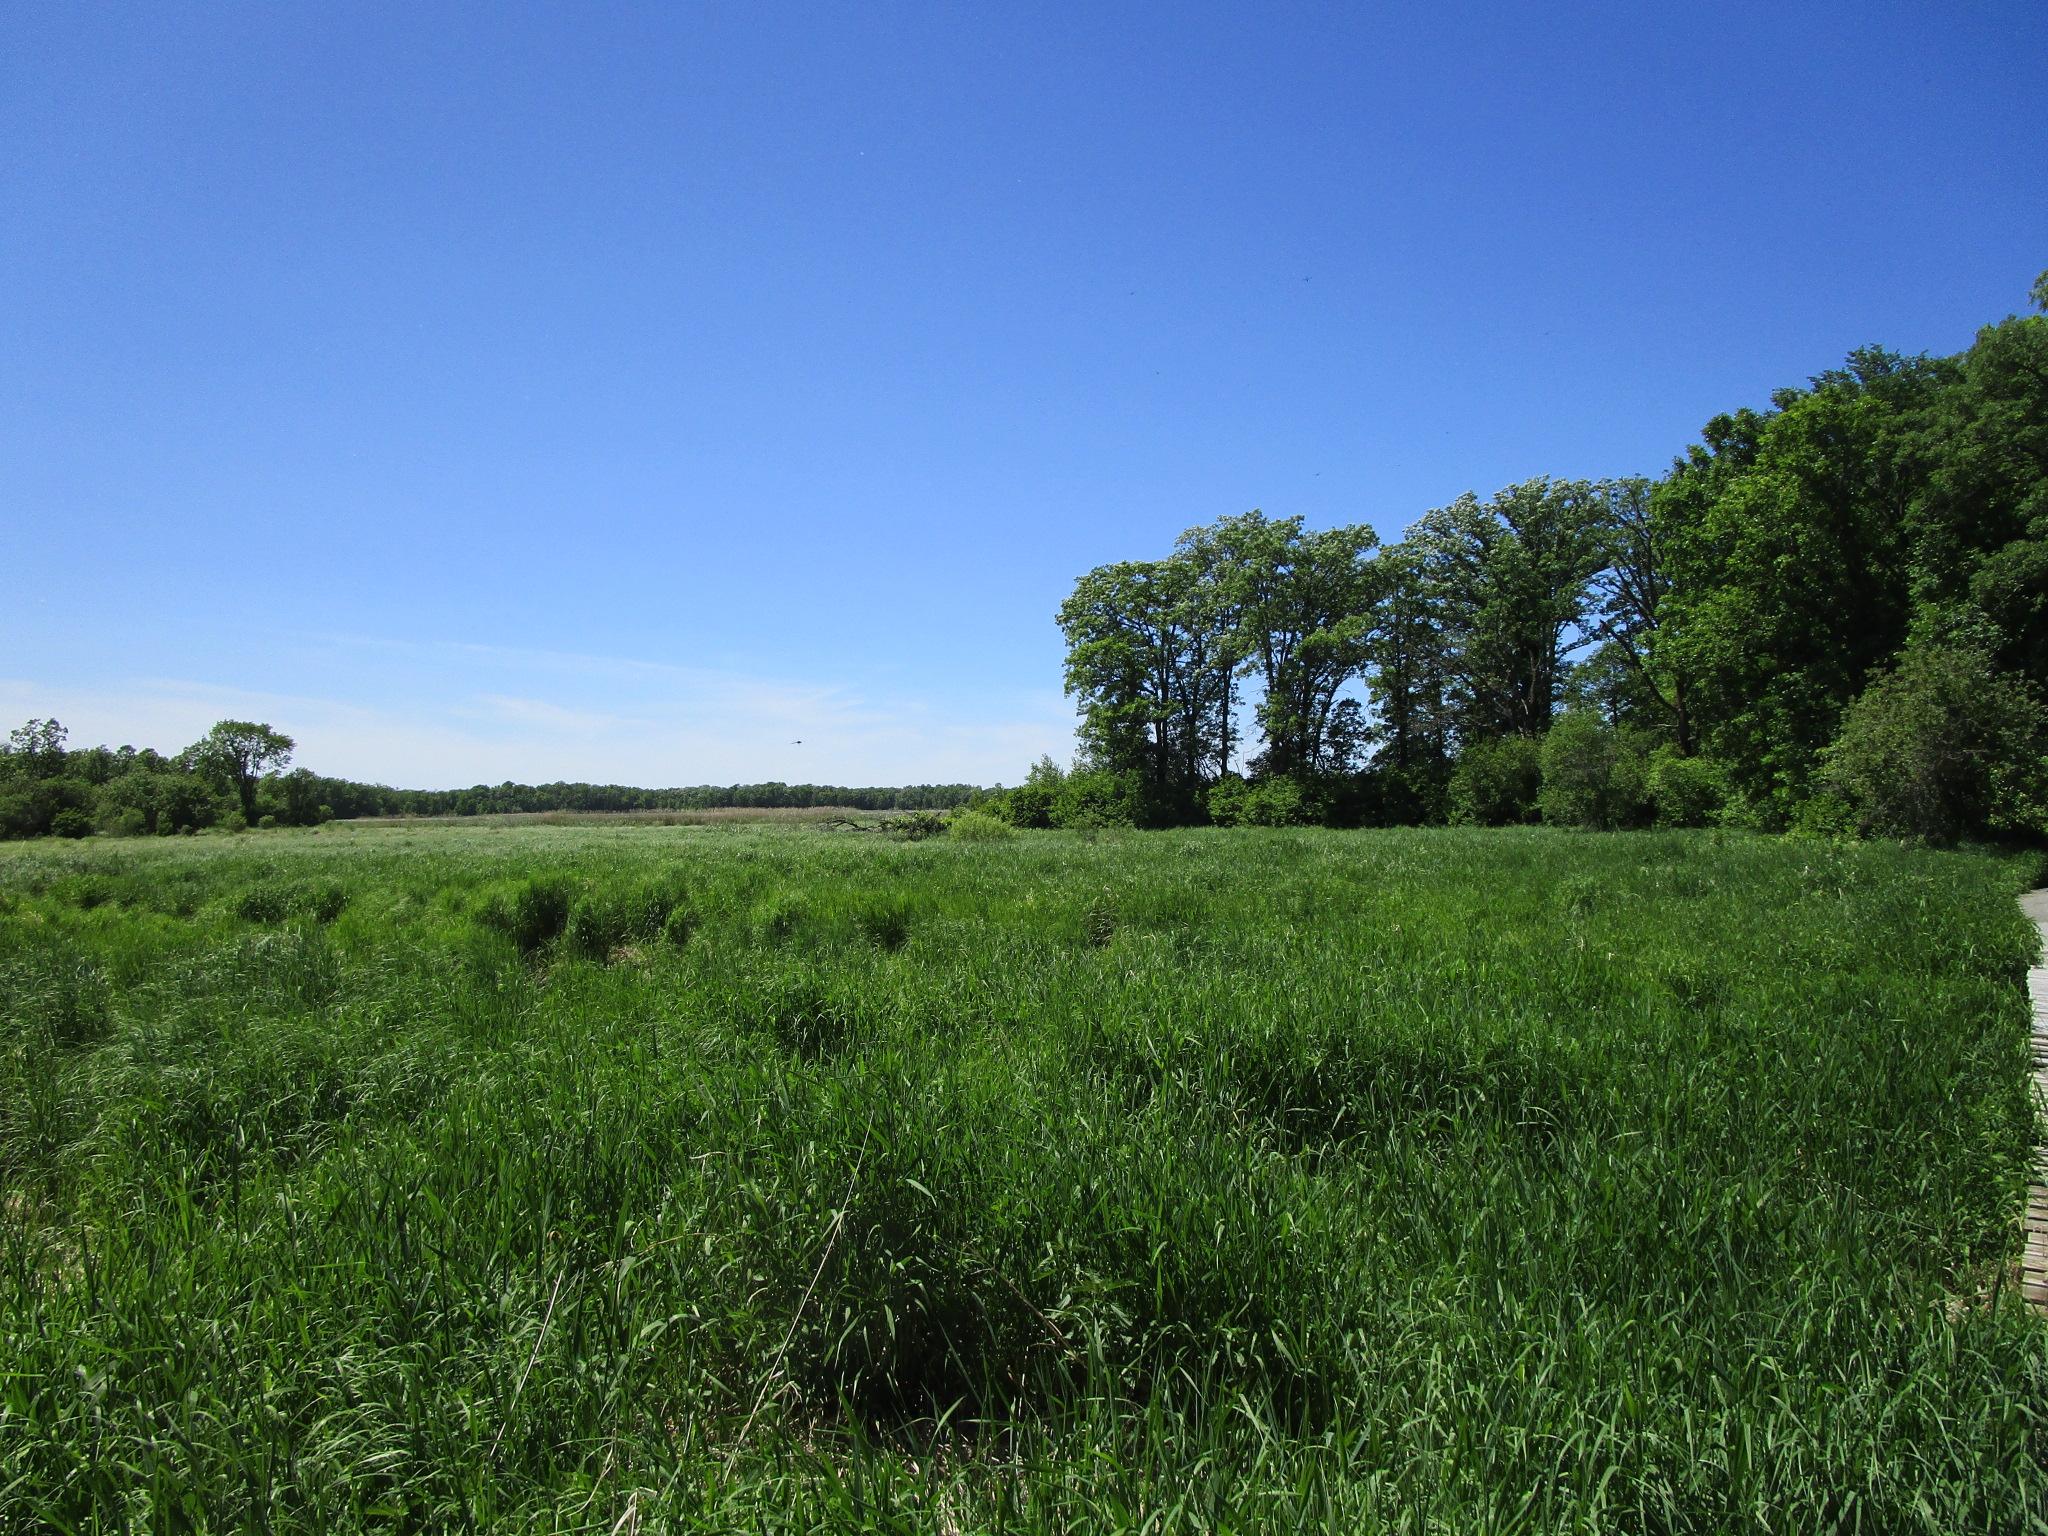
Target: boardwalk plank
x,y
2034,1254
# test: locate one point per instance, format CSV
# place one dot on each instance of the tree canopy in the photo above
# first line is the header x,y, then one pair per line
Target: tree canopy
x,y
1810,592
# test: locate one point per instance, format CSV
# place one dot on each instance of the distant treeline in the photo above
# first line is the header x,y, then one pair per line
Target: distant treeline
x,y
496,799
236,776
1831,616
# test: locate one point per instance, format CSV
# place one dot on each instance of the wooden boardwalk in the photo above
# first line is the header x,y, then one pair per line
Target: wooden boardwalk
x,y
2034,1261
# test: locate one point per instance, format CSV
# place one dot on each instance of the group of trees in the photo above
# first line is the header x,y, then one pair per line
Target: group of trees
x,y
1829,614
236,776
232,776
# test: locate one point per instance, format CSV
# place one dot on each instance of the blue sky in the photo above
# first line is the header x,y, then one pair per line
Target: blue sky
x,y
623,393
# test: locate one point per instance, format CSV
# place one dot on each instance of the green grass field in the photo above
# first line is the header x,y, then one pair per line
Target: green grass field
x,y
640,1178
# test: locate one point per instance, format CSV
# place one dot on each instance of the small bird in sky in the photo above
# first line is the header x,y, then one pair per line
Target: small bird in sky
x,y
798,742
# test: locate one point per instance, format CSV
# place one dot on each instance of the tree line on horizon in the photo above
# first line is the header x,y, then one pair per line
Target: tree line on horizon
x,y
236,777
1830,616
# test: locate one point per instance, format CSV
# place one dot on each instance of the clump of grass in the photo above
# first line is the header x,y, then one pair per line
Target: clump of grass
x,y
1101,918
884,921
776,919
266,903
533,911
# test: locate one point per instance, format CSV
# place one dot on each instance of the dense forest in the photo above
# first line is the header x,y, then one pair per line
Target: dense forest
x,y
237,776
1831,616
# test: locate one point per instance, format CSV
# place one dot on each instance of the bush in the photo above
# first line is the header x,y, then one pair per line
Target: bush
x,y
884,921
71,822
267,822
1030,804
1226,800
1097,798
1945,746
649,906
599,923
916,826
1685,791
1592,774
1824,815
128,823
1496,782
979,827
1415,796
1578,772
1273,802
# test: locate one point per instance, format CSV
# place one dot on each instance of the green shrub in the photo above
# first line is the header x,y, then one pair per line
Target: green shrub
x,y
1030,804
1824,815
72,823
916,826
646,909
1270,802
1578,769
267,822
1413,796
1685,791
979,827
1592,774
1945,746
775,919
127,823
884,921
1496,782
1097,798
1226,801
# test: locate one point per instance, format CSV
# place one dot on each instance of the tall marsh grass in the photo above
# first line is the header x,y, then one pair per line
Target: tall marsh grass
x,y
612,1178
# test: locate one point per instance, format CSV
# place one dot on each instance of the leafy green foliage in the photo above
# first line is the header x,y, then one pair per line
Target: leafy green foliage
x,y
1096,797
979,827
1270,802
1736,609
1684,791
1942,747
1497,782
1593,775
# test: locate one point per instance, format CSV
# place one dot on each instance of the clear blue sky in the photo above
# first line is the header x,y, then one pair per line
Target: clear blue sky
x,y
622,392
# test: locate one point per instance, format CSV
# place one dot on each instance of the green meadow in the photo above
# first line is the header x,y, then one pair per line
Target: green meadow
x,y
780,1178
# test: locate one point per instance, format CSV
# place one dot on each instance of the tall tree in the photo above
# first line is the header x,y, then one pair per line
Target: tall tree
x,y
37,748
236,753
1409,667
1790,567
1150,667
1304,604
1510,581
1980,525
1629,591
